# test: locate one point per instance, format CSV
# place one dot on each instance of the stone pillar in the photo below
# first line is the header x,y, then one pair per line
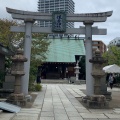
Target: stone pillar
x,y
88,47
27,54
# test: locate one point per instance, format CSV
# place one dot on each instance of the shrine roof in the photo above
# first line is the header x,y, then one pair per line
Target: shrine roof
x,y
64,50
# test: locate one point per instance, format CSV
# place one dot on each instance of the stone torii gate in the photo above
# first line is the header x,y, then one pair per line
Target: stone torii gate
x,y
88,19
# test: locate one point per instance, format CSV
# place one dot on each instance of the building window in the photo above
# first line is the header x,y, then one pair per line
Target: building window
x,y
95,47
95,42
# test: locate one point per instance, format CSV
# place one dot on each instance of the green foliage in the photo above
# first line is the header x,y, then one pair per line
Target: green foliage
x,y
39,48
112,55
35,87
8,63
8,38
38,87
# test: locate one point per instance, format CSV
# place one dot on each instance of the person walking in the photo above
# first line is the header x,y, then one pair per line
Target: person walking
x,y
111,80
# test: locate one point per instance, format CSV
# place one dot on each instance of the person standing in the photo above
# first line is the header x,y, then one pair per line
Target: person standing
x,y
38,77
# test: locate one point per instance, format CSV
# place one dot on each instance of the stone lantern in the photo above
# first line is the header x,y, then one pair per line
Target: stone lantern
x,y
98,100
18,60
77,71
97,71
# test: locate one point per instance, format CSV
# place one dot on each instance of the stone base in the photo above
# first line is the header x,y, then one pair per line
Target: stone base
x,y
28,98
77,82
96,101
97,105
85,99
17,99
108,95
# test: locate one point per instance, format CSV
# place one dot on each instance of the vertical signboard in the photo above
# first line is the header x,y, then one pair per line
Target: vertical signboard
x,y
59,21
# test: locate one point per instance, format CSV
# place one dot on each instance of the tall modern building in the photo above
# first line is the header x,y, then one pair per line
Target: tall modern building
x,y
48,6
115,42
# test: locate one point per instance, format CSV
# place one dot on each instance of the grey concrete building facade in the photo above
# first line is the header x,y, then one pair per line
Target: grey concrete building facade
x,y
115,42
48,6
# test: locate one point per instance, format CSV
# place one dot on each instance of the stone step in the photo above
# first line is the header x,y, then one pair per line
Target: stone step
x,y
61,81
54,81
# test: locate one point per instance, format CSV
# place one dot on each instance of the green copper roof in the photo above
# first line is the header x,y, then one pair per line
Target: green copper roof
x,y
64,50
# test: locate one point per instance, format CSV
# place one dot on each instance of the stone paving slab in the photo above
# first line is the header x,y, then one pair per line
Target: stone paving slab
x,y
101,111
91,119
46,118
27,114
75,118
47,114
57,103
25,118
7,115
91,115
60,115
48,105
70,109
109,119
47,109
59,111
59,107
30,109
82,110
73,114
5,118
113,115
117,110
61,118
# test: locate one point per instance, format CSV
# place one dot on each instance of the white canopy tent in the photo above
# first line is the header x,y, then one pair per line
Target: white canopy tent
x,y
112,69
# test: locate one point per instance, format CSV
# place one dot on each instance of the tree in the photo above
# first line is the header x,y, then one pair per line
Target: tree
x,y
39,48
8,38
112,55
12,39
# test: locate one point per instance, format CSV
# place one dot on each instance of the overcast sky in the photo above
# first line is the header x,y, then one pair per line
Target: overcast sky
x,y
81,6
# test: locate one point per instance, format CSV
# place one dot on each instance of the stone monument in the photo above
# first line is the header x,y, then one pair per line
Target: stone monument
x,y
18,60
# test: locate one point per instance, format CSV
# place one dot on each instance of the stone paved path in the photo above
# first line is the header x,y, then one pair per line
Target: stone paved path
x,y
58,102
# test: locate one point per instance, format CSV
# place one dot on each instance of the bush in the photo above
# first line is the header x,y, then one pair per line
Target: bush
x,y
35,87
31,87
38,87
